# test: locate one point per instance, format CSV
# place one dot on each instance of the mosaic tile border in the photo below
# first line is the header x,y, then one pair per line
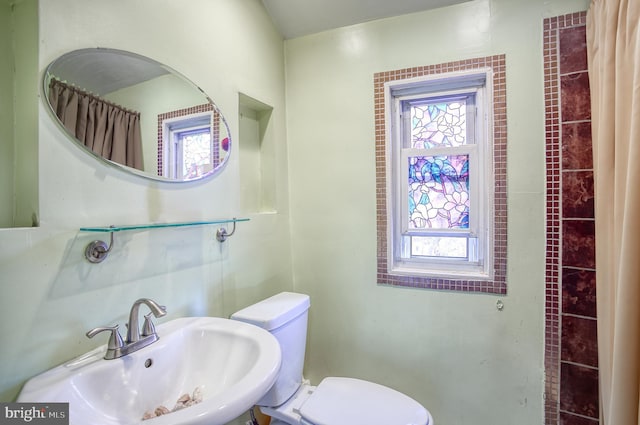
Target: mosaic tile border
x,y
498,285
556,381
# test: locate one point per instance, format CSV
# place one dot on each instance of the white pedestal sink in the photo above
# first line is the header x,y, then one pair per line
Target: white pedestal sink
x,y
232,364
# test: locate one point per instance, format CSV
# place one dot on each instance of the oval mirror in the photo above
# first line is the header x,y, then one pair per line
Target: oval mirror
x,y
138,114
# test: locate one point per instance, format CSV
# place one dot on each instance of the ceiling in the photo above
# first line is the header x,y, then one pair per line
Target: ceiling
x,y
102,71
295,18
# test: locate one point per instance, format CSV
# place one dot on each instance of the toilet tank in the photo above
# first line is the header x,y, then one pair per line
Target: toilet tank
x,y
285,316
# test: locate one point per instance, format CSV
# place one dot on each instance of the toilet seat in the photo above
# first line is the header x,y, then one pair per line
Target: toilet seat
x,y
340,401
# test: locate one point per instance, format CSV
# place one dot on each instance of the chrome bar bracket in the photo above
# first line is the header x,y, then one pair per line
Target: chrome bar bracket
x,y
222,235
97,251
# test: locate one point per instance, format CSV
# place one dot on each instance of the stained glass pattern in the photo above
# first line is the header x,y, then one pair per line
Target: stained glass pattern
x,y
441,124
439,192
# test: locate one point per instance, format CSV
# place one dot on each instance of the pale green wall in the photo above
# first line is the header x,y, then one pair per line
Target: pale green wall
x,y
467,362
6,116
18,113
50,295
26,102
455,353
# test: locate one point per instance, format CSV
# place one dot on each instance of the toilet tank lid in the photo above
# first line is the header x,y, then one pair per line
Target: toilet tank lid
x,y
274,311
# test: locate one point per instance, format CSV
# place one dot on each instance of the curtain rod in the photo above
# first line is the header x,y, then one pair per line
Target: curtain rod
x,y
54,81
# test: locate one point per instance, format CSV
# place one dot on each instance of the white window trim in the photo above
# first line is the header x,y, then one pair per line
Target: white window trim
x,y
441,268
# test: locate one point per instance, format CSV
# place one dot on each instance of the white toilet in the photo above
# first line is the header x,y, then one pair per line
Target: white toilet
x,y
335,401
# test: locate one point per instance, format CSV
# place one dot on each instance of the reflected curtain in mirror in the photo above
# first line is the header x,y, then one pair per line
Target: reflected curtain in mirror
x,y
109,130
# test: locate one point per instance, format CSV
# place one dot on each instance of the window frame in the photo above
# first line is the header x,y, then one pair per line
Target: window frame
x,y
430,89
446,77
180,113
173,128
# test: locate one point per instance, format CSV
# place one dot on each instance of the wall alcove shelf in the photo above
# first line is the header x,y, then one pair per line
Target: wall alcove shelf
x,y
97,251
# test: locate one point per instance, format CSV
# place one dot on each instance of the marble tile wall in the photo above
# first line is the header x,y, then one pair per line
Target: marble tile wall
x,y
571,357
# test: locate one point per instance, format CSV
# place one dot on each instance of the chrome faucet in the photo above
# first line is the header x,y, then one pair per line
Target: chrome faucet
x,y
136,339
133,330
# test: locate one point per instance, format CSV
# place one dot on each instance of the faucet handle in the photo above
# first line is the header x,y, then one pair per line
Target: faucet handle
x,y
115,340
148,327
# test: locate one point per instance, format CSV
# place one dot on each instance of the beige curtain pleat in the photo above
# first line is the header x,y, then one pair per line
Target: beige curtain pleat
x,y
70,112
120,127
134,150
82,118
107,145
92,118
100,128
613,45
106,129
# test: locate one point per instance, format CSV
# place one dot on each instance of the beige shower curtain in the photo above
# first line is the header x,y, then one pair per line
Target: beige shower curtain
x,y
107,129
613,45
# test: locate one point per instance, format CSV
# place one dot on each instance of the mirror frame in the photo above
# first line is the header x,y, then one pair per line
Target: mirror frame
x,y
114,164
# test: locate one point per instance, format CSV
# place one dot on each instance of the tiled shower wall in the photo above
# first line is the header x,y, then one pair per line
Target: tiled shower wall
x,y
571,358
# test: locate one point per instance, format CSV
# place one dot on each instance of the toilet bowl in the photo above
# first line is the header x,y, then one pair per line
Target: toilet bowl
x,y
336,400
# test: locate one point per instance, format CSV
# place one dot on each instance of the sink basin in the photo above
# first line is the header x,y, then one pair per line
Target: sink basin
x,y
230,364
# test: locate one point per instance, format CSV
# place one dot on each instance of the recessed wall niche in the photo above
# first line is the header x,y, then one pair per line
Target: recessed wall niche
x,y
257,157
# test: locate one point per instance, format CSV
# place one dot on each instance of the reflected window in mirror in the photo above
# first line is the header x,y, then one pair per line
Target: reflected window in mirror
x,y
192,153
189,144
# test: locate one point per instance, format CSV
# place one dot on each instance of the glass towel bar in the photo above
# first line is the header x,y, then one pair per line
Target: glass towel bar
x,y
98,250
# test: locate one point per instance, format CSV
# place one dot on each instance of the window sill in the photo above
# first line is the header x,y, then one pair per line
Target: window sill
x,y
414,272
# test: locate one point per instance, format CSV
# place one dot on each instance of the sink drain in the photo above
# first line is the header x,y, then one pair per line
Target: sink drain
x,y
148,363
